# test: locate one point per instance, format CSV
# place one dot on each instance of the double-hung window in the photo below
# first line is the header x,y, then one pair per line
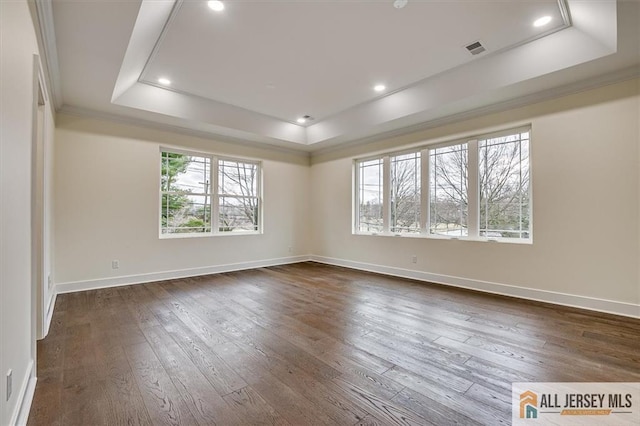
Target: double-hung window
x,y
448,192
505,201
478,188
405,193
202,194
370,195
238,201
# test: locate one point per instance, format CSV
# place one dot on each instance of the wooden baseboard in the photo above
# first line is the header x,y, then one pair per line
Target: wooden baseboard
x,y
71,287
564,299
557,298
25,397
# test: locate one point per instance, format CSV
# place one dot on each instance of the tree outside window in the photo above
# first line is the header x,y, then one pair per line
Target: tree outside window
x,y
193,204
501,201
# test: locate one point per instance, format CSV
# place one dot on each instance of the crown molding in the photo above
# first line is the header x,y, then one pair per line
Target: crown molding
x,y
615,77
47,36
308,151
153,125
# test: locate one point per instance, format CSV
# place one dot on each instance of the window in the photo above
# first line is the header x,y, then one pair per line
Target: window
x,y
370,192
186,193
504,186
477,189
238,195
204,195
405,193
448,190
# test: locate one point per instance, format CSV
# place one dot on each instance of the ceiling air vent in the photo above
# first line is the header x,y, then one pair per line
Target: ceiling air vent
x,y
475,48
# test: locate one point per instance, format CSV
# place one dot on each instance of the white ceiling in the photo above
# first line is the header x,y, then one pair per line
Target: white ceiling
x,y
288,59
248,72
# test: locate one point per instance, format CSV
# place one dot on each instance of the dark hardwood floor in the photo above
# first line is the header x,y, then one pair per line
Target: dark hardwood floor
x,y
309,344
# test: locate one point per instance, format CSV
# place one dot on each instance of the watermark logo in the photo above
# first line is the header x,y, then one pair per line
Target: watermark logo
x,y
557,403
528,405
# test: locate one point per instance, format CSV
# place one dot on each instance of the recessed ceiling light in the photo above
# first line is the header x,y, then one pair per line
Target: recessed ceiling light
x,y
216,5
164,81
541,22
379,87
399,4
304,119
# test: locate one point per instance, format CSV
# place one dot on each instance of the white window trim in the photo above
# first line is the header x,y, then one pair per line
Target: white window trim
x,y
386,192
425,193
215,199
473,188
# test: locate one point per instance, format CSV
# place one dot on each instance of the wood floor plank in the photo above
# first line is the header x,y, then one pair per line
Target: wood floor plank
x,y
500,400
162,399
457,404
47,401
204,402
357,371
623,339
536,369
312,344
135,297
83,399
550,359
293,406
370,420
603,353
253,408
381,408
436,412
78,350
302,373
125,402
216,371
494,375
407,361
50,353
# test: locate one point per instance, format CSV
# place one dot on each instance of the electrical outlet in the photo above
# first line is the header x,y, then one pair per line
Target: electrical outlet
x,y
9,383
115,264
414,259
49,282
290,249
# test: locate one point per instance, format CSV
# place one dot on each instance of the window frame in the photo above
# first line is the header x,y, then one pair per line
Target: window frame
x,y
386,212
214,194
400,154
428,150
529,189
473,189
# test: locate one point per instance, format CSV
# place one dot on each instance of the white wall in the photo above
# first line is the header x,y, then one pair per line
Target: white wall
x,y
585,162
18,46
106,208
42,202
48,236
585,177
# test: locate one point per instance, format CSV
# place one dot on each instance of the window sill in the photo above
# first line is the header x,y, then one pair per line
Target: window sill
x,y
524,241
177,236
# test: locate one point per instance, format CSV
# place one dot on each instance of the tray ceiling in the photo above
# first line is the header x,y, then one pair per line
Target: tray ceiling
x,y
250,71
288,59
